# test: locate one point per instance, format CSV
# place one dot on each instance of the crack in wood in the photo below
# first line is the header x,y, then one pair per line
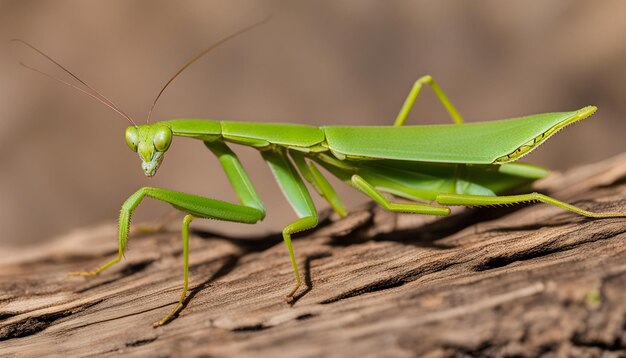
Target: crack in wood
x,y
37,323
544,250
253,328
30,325
391,282
381,285
141,342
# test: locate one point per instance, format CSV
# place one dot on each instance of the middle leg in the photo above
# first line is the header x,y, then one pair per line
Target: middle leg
x,y
416,208
310,172
298,196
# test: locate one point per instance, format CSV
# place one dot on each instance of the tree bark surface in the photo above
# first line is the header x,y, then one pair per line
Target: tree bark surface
x,y
513,281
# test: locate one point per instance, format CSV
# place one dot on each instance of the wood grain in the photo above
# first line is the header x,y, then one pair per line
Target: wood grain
x,y
524,281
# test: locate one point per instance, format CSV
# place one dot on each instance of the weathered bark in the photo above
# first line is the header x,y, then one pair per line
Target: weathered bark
x,y
518,281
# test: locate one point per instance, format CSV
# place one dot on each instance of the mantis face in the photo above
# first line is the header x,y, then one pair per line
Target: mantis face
x,y
150,142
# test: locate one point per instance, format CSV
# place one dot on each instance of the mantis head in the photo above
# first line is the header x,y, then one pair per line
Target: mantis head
x,y
150,142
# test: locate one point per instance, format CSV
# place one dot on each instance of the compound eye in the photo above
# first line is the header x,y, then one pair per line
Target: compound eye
x,y
162,139
132,138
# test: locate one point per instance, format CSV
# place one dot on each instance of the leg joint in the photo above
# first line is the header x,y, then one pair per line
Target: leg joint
x,y
302,224
425,79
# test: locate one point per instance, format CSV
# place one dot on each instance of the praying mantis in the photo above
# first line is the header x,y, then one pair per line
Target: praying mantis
x,y
432,167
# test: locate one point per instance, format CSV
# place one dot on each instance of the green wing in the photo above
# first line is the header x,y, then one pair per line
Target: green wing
x,y
477,143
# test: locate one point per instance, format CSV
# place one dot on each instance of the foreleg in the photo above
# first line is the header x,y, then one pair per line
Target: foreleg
x,y
250,211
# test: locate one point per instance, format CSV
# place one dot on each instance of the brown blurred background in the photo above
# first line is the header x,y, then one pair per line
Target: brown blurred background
x,y
64,163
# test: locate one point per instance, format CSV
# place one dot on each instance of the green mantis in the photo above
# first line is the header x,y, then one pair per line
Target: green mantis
x,y
433,167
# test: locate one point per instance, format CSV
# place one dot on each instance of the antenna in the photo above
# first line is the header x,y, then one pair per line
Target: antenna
x,y
202,53
93,94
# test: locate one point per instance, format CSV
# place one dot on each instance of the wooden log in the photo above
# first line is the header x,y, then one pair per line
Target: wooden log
x,y
521,281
